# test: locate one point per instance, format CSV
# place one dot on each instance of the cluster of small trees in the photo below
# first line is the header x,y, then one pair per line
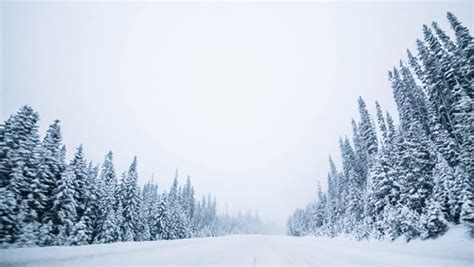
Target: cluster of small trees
x,y
240,224
45,201
415,178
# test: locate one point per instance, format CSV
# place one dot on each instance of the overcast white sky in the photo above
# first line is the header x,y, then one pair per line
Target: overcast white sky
x,y
249,99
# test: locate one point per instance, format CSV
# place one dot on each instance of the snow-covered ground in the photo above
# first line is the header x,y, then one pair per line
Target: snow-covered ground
x,y
453,249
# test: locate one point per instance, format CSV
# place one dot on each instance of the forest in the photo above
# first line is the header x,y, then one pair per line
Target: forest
x,y
413,179
45,201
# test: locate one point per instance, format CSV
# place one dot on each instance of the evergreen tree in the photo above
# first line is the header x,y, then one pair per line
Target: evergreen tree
x,y
28,226
20,176
64,207
79,235
367,130
131,202
78,166
381,123
110,229
355,188
465,45
173,193
8,226
434,223
160,227
149,207
467,212
361,160
106,203
52,168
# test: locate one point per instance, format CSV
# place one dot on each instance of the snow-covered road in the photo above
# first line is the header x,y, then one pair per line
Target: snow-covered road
x,y
451,250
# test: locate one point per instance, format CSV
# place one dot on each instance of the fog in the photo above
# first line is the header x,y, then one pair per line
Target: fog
x,y
248,99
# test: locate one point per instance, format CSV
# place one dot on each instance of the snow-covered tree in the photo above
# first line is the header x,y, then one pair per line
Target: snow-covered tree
x,y
64,207
131,202
78,166
419,180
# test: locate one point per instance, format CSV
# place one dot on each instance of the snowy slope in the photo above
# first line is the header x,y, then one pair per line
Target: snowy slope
x,y
453,249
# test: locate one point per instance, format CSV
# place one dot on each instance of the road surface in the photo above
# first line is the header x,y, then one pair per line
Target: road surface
x,y
250,250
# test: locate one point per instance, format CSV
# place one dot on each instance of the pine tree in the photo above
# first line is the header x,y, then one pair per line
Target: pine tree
x,y
149,207
131,203
45,237
390,128
20,167
53,166
443,177
188,200
319,210
93,213
381,123
78,166
178,228
37,189
106,210
464,43
19,138
416,162
28,227
118,207
64,207
173,193
367,130
434,223
467,212
361,163
8,226
355,188
160,227
79,236
444,38
384,187
464,54
110,230
389,225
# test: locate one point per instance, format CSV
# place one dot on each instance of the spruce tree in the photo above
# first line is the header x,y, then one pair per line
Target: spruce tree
x,y
64,207
79,235
106,203
160,227
381,123
53,167
131,202
28,226
110,230
355,186
367,130
8,226
467,211
20,174
78,167
433,222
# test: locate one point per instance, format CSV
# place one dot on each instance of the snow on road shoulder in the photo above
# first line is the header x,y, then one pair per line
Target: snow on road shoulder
x,y
453,248
455,242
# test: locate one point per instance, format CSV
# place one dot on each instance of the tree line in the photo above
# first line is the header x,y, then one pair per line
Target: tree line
x,y
414,179
45,201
